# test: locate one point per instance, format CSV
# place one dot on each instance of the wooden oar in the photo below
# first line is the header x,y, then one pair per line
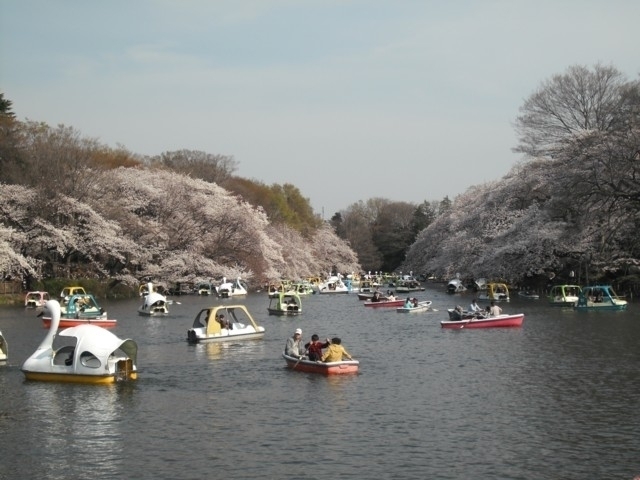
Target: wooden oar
x,y
305,352
475,317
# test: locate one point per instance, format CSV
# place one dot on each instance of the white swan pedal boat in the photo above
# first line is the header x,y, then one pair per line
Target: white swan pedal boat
x,y
88,354
154,304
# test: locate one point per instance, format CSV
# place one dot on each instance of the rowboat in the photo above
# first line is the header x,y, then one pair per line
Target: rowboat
x,y
504,320
420,307
365,296
324,368
384,303
528,295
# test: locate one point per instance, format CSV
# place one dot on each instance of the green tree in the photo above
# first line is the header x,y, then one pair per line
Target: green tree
x,y
423,215
11,163
445,205
5,107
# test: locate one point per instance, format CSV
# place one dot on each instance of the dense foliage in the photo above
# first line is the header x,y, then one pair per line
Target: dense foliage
x,y
73,208
571,207
381,231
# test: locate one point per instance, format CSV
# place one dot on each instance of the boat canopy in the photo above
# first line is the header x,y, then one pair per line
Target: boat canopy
x,y
211,318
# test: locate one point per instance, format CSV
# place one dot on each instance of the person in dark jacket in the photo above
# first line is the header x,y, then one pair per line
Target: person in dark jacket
x,y
315,346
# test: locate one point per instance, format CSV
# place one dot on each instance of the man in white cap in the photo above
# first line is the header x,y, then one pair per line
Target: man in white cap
x,y
294,345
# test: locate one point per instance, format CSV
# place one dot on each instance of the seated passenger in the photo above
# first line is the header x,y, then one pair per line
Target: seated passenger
x,y
315,346
222,321
457,313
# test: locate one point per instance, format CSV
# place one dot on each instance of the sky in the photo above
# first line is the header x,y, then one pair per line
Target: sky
x,y
347,100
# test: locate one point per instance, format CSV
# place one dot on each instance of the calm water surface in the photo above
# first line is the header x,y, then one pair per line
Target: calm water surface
x,y
556,399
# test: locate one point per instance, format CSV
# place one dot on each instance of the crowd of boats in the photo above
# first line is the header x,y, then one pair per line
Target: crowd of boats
x,y
92,354
591,297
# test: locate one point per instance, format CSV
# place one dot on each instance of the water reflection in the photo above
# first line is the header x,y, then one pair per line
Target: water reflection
x,y
228,350
79,427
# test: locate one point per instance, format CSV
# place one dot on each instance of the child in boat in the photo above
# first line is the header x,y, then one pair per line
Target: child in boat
x,y
408,303
335,352
315,346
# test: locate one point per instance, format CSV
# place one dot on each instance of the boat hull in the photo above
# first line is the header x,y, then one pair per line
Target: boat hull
x,y
563,304
601,308
192,337
384,303
501,321
74,322
365,296
278,311
153,313
598,298
73,378
422,307
322,368
529,296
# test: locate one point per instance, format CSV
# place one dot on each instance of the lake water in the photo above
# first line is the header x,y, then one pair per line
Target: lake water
x,y
558,398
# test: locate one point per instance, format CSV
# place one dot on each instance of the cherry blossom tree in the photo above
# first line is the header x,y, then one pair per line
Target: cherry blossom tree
x,y
580,100
63,237
570,205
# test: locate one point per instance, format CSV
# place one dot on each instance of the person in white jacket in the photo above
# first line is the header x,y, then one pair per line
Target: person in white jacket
x,y
474,307
293,348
